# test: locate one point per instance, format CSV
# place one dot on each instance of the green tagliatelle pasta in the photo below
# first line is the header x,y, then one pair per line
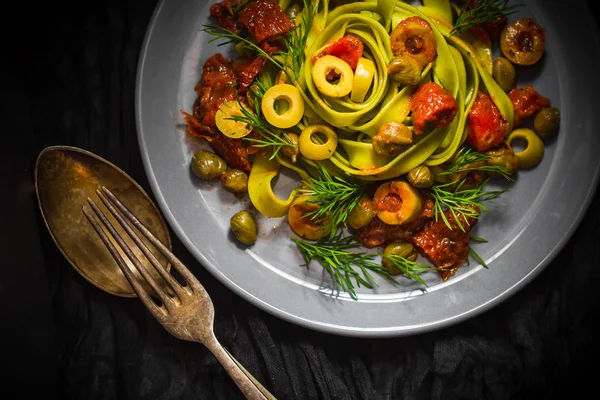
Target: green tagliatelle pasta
x,y
462,64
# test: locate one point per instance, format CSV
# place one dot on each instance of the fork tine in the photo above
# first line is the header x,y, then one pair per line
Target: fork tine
x,y
137,287
193,283
179,290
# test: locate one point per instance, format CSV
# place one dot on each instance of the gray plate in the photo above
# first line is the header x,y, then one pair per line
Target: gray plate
x,y
526,227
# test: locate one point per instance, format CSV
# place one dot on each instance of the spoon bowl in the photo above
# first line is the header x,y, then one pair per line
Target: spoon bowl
x,y
65,177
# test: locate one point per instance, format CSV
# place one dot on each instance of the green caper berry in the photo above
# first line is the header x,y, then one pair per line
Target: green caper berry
x,y
400,249
504,73
362,213
235,180
244,227
404,70
207,165
546,122
420,177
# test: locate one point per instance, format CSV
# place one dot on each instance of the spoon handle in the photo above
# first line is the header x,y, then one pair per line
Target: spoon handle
x,y
241,378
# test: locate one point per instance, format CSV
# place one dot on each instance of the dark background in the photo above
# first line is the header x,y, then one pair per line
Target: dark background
x,y
69,75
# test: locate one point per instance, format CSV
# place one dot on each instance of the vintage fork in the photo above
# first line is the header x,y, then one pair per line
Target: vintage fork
x,y
187,313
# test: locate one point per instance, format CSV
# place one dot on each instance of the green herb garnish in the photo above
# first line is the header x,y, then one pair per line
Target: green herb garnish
x,y
484,11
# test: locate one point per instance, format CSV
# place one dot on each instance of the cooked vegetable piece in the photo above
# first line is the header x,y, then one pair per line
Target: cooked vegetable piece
x,y
546,122
362,213
339,87
392,138
414,37
404,70
420,177
244,227
265,20
397,202
523,42
502,156
313,147
432,106
229,127
207,165
399,249
486,127
295,106
363,78
504,73
348,48
235,181
291,151
303,225
526,102
533,152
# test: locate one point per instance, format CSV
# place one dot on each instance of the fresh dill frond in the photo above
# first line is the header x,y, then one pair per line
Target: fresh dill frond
x,y
484,11
337,259
410,269
465,202
335,198
466,159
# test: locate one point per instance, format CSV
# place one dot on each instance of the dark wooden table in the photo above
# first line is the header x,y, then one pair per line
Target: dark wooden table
x,y
69,79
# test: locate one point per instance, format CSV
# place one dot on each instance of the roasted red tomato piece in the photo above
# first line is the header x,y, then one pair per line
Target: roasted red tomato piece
x,y
349,48
265,20
432,106
446,248
486,125
223,11
526,101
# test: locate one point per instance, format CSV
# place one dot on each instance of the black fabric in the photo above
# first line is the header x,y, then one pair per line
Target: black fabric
x,y
69,80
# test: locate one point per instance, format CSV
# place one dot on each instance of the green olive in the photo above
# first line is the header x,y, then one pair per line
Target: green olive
x,y
399,249
404,70
504,73
235,180
391,139
207,165
293,11
291,151
244,227
503,156
546,122
533,153
362,213
420,177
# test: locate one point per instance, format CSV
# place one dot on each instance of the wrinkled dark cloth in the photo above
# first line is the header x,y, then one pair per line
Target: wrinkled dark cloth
x,y
70,80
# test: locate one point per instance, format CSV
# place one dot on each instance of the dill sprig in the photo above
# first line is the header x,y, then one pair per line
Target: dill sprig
x,y
335,256
292,58
483,11
410,269
335,198
465,202
467,160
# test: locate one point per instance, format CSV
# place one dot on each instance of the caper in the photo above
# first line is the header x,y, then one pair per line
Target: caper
x,y
362,213
392,138
207,165
420,177
291,151
398,249
244,227
235,180
292,11
502,157
405,70
504,73
546,122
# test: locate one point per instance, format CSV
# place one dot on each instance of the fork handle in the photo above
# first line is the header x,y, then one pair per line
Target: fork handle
x,y
243,382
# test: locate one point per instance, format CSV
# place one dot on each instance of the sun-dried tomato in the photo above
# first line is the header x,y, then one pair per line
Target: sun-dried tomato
x,y
265,20
526,102
486,126
432,106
